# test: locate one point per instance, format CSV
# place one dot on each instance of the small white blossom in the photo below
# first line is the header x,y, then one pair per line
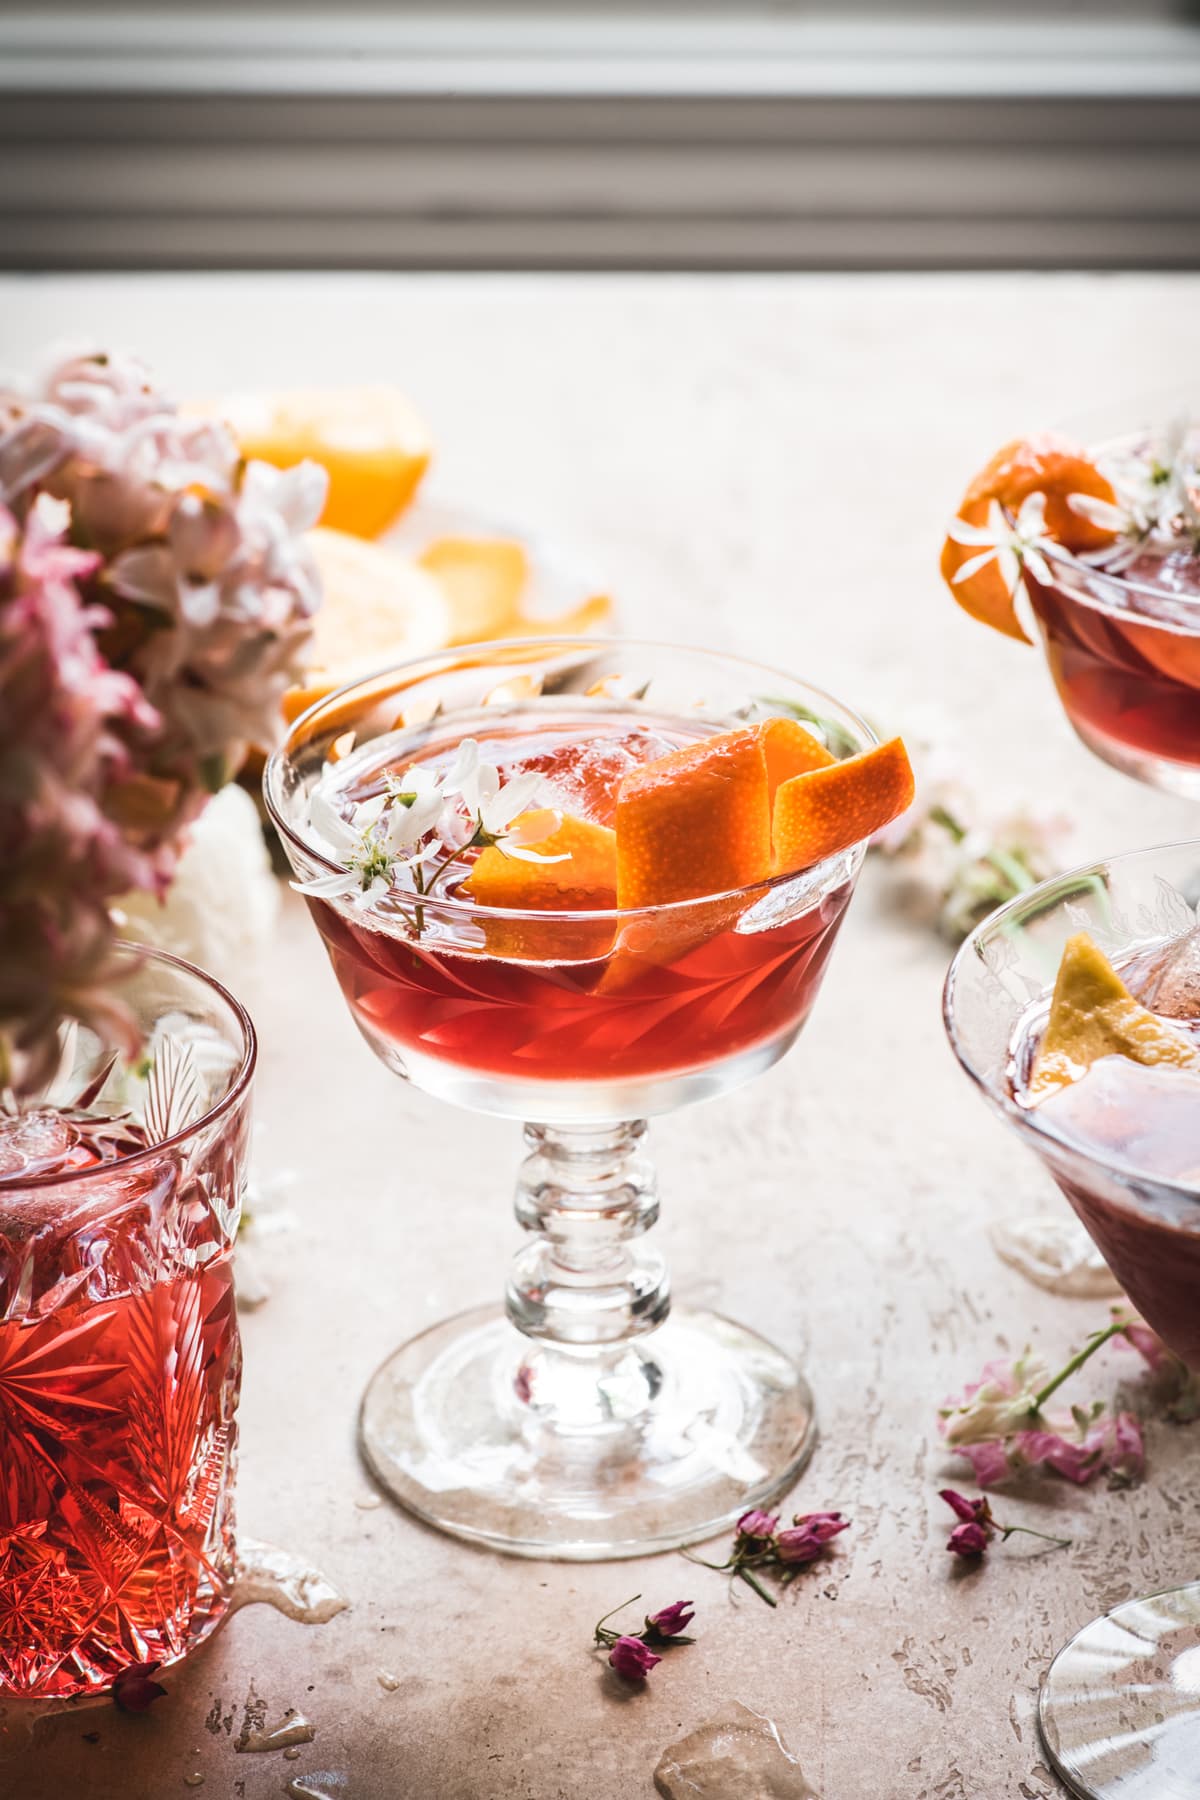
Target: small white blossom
x,y
425,821
1014,545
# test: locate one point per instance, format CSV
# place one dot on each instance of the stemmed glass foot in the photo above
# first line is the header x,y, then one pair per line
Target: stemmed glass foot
x,y
582,1422
1120,1707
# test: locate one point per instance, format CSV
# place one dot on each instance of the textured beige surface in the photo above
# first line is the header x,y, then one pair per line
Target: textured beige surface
x,y
762,465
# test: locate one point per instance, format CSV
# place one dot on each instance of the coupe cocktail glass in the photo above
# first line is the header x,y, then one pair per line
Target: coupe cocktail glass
x,y
577,1421
1124,652
119,1353
1120,1705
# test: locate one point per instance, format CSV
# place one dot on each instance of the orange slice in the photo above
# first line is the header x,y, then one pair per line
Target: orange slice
x,y
694,822
483,580
1093,1014
1044,464
372,442
829,809
378,607
586,880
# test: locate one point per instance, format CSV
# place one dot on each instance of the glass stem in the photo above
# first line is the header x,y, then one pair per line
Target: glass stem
x,y
586,1195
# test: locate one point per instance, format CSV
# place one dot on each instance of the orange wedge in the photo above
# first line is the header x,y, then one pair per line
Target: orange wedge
x,y
483,580
372,442
831,808
694,822
587,880
378,607
1044,464
1093,1014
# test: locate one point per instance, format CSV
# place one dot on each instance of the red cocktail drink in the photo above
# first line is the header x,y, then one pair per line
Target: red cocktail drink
x,y
596,996
1125,656
120,1365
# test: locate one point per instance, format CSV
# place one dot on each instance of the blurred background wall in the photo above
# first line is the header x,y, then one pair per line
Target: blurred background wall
x,y
376,133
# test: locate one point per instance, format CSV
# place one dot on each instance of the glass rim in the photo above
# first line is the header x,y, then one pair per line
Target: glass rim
x,y
1058,554
476,909
1026,1118
237,1087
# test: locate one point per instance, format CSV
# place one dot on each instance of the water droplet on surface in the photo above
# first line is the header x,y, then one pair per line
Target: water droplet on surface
x,y
269,1576
292,1753
194,1780
296,1729
739,1755
1055,1254
324,1785
368,1502
388,1682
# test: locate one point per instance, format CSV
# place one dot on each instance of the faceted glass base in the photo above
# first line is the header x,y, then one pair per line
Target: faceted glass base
x,y
586,1453
1120,1706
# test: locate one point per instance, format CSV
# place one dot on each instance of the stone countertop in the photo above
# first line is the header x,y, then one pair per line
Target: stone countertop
x,y
765,465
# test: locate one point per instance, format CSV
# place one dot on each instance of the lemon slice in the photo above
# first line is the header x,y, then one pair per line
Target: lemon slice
x,y
1093,1014
378,607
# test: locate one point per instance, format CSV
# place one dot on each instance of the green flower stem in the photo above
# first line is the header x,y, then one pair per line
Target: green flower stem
x,y
602,1636
751,1581
1116,1329
1006,1531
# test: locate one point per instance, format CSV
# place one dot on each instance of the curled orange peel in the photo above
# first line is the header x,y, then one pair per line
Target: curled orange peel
x,y
1044,464
830,809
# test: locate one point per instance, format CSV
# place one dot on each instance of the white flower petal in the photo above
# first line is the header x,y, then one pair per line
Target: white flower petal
x,y
960,532
328,887
973,566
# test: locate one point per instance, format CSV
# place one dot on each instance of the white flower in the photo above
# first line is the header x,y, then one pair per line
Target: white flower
x,y
496,808
1003,1402
1013,545
414,824
221,908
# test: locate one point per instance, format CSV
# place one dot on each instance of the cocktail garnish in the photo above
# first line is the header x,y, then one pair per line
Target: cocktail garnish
x,y
1036,482
1092,1015
695,822
586,875
829,809
426,821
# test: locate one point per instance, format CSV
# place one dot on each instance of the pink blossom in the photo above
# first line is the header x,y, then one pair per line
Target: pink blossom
x,y
758,1524
1149,1346
804,1542
669,1621
155,603
632,1659
969,1539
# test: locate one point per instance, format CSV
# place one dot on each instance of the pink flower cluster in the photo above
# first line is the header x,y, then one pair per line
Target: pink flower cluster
x,y
155,597
998,1426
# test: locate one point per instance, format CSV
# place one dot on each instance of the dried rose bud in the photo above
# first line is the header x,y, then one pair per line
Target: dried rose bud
x,y
134,1691
632,1659
968,1539
669,1621
804,1541
971,1511
757,1524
